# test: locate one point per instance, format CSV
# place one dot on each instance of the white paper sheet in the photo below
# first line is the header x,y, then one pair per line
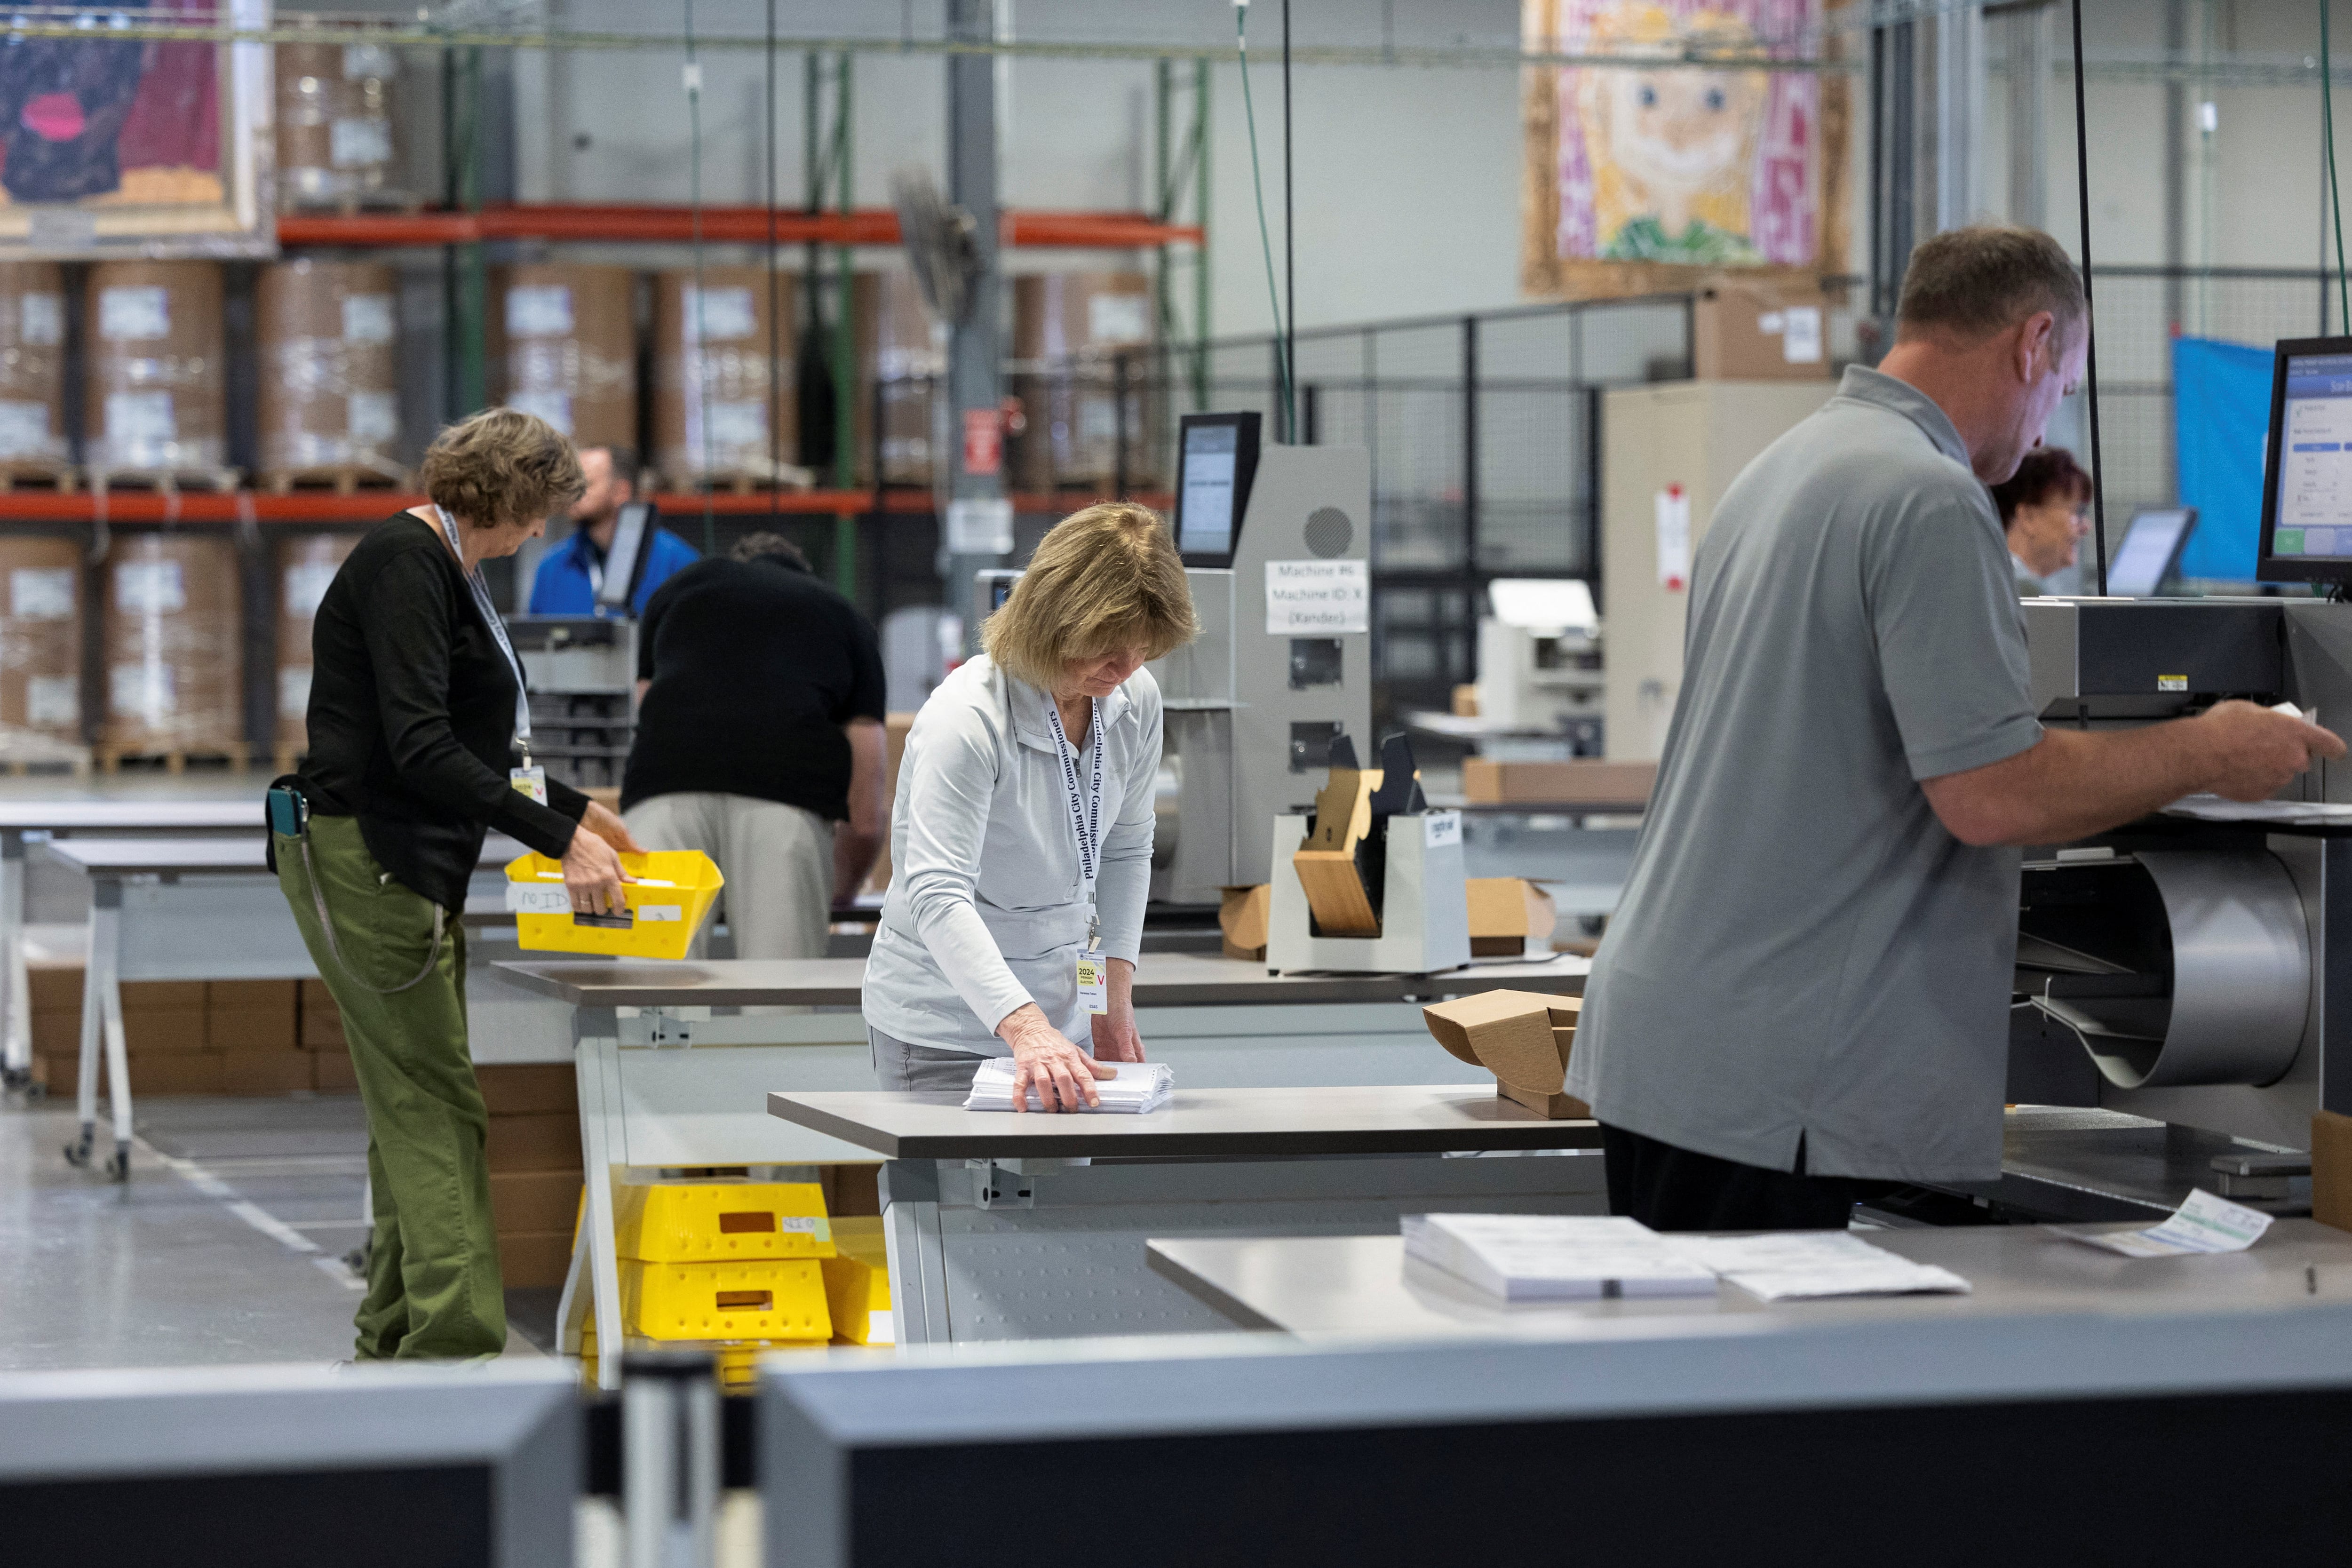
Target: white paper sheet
x,y
2203,1223
1136,1088
1796,1265
1554,1257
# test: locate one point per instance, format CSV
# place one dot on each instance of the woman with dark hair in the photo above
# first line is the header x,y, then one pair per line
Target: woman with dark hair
x,y
420,743
2045,509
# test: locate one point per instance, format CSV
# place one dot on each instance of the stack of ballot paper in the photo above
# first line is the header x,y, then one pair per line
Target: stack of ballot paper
x,y
1554,1257
1139,1087
1793,1265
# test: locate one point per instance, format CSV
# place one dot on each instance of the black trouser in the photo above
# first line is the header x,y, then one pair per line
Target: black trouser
x,y
1668,1188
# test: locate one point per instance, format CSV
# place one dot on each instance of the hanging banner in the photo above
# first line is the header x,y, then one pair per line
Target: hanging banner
x,y
2222,409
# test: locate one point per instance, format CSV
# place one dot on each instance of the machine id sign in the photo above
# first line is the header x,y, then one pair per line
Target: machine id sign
x,y
1327,597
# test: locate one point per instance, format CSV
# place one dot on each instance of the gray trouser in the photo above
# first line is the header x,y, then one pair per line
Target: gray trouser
x,y
777,859
899,1066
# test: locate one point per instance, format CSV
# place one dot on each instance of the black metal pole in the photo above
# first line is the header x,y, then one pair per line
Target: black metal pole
x,y
2090,317
1290,250
775,315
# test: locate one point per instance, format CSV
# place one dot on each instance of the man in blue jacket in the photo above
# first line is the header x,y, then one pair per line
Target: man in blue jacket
x,y
570,572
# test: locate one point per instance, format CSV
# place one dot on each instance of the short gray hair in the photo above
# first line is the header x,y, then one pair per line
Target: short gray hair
x,y
1979,280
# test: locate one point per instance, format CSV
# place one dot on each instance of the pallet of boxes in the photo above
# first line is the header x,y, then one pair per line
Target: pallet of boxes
x,y
742,1269
182,1037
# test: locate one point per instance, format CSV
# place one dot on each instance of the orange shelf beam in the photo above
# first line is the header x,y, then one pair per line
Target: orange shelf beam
x,y
324,508
728,226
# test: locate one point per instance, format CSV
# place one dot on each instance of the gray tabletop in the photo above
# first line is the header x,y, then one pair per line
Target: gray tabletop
x,y
130,815
1364,1286
1162,980
1200,1123
199,856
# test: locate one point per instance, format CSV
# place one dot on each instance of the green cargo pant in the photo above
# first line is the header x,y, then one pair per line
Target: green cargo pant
x,y
432,1272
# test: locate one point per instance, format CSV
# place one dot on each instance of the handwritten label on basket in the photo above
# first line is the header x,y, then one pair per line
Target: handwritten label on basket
x,y
650,912
134,313
803,1225
524,899
41,594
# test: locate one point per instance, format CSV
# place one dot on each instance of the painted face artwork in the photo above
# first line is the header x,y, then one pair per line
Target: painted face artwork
x,y
63,103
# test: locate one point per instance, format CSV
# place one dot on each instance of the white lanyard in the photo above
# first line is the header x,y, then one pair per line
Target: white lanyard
x,y
1086,815
490,614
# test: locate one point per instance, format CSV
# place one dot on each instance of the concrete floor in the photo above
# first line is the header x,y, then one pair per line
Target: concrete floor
x,y
225,1245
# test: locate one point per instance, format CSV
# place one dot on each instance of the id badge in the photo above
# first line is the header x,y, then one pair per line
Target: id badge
x,y
1093,981
531,781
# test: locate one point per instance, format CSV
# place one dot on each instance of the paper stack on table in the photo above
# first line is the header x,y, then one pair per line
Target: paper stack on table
x,y
1792,1265
1554,1257
1139,1087
2203,1223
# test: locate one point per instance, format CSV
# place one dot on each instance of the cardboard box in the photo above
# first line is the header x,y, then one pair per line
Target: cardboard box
x,y
1521,1037
321,1022
534,1259
518,1089
851,1190
59,1074
164,1031
1505,912
1242,915
534,1200
57,987
2331,1168
57,1032
330,1071
162,995
239,995
541,1141
1581,783
1746,330
258,1070
251,1028
179,1072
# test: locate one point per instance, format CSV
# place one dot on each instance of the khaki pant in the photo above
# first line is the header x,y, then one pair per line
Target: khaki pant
x,y
777,859
433,1289
921,1069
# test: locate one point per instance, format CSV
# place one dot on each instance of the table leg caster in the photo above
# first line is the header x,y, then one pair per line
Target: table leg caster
x,y
17,1080
118,1165
77,1151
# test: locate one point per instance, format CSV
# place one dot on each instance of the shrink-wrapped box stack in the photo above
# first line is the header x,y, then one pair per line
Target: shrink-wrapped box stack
x,y
306,564
40,650
330,375
720,417
33,444
334,126
155,408
172,658
1068,330
564,345
902,366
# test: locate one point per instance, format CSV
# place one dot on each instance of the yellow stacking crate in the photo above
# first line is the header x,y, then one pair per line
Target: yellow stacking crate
x,y
735,1358
667,904
721,1222
768,1298
857,1284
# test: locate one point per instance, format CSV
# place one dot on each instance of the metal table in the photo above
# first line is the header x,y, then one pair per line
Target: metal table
x,y
182,909
1354,1287
31,821
1005,1226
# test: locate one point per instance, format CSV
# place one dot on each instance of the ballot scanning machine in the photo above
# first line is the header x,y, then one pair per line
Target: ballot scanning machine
x,y
2196,967
1277,543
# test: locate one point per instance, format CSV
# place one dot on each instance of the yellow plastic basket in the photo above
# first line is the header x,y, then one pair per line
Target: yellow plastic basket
x,y
668,904
778,1299
721,1222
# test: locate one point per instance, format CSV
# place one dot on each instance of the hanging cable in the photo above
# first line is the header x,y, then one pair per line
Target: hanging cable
x,y
1289,246
1265,239
2090,318
2335,195
775,316
695,363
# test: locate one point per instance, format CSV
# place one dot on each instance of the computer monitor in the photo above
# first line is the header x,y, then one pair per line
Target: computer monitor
x,y
625,558
2307,471
2150,552
1216,462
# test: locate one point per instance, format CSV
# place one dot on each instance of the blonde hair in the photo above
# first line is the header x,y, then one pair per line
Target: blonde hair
x,y
499,467
1105,577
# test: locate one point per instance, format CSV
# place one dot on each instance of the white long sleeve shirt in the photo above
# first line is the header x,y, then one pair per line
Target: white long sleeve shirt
x,y
987,909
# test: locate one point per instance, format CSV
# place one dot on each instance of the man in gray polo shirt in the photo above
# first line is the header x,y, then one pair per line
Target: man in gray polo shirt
x,y
1808,982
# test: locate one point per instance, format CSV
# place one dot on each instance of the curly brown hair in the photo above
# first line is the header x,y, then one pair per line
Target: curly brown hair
x,y
501,467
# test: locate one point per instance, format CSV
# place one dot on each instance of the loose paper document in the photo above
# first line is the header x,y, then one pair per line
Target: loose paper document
x,y
2203,1223
2214,808
1554,1257
1139,1087
1794,1265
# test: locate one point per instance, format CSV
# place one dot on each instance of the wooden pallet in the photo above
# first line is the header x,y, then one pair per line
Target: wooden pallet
x,y
167,481
743,482
113,754
342,479
55,767
28,474
406,203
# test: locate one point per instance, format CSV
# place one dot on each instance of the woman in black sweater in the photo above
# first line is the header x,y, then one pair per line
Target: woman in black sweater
x,y
419,744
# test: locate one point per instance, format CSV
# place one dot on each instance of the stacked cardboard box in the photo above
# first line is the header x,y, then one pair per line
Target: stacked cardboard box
x,y
184,1037
534,1152
321,1026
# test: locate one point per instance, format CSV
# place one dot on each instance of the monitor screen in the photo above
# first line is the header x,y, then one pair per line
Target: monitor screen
x,y
1216,460
2151,547
2307,499
622,557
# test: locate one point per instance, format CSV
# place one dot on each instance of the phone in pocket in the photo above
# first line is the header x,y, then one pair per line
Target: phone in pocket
x,y
289,814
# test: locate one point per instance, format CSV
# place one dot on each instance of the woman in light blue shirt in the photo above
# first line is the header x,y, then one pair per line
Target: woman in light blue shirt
x,y
1021,835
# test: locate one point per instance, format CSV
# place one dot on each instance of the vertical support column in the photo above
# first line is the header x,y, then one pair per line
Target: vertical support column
x,y
1201,252
1959,116
978,529
466,277
2030,52
844,356
15,1008
2174,162
1894,164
